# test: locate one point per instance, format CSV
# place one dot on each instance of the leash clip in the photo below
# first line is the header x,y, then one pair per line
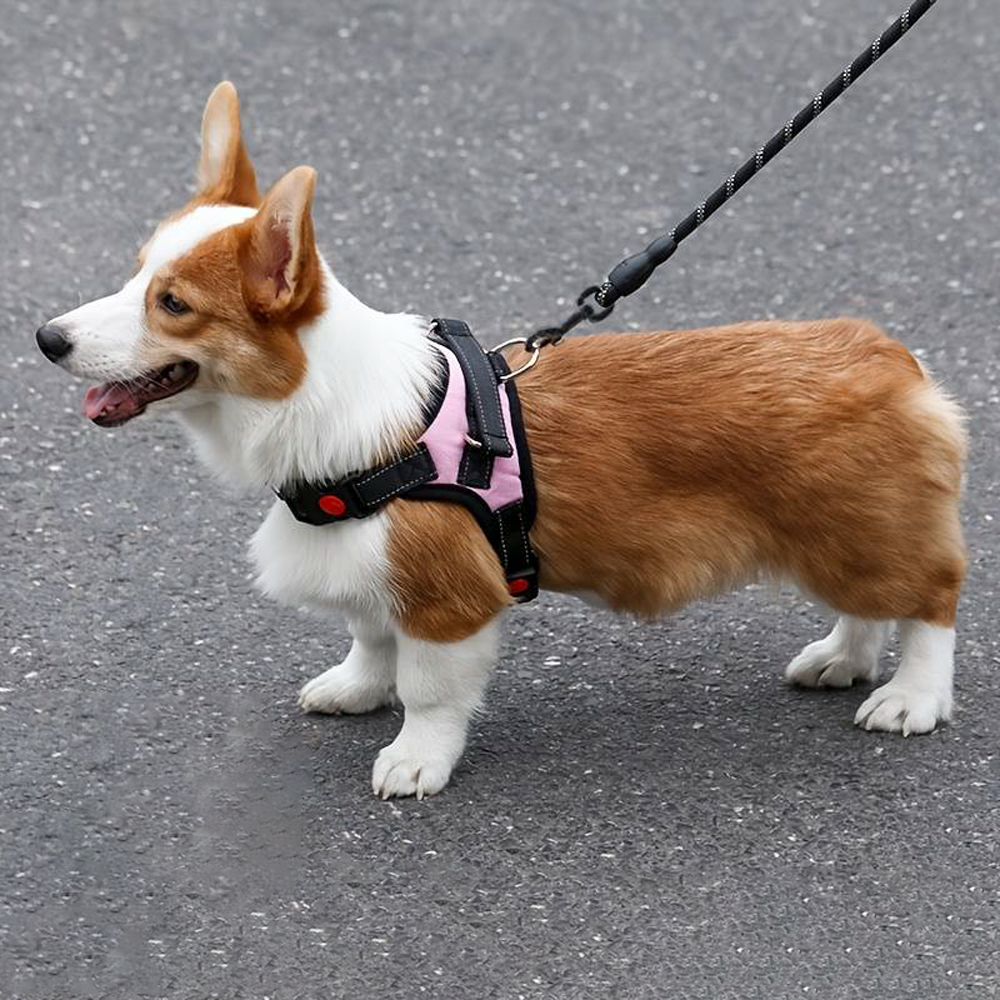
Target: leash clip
x,y
585,311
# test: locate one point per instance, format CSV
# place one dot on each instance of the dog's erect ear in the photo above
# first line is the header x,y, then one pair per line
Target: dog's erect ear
x,y
279,258
225,173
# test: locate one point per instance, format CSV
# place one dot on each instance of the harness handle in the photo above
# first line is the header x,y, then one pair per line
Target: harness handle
x,y
633,272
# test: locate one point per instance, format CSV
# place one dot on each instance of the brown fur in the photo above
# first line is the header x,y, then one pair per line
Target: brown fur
x,y
237,351
671,466
235,183
250,288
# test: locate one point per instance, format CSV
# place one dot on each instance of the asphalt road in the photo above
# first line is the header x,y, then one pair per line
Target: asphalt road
x,y
644,811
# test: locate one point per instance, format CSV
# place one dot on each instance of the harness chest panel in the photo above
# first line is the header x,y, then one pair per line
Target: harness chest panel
x,y
473,452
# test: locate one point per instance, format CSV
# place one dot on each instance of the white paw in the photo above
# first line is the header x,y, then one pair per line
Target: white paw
x,y
345,689
898,708
402,769
823,664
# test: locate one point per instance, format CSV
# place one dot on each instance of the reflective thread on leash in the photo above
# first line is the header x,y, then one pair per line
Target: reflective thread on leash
x,y
632,273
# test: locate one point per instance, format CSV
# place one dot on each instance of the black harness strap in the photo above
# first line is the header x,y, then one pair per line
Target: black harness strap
x,y
488,433
361,494
517,553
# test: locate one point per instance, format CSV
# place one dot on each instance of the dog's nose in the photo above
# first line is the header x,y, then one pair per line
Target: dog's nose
x,y
52,342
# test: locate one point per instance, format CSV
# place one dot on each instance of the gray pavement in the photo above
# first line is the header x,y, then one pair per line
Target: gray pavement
x,y
644,810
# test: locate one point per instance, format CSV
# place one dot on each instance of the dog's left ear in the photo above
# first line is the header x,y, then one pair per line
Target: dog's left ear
x,y
224,172
278,255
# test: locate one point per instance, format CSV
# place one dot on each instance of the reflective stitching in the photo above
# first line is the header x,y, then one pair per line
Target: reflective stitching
x,y
503,543
386,468
524,534
399,489
463,466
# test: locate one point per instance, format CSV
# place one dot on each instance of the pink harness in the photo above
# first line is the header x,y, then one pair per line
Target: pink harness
x,y
447,439
473,453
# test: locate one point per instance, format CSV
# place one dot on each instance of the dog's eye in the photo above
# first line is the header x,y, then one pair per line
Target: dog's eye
x,y
173,304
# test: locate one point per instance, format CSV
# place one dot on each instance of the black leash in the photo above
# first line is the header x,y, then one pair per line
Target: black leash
x,y
633,272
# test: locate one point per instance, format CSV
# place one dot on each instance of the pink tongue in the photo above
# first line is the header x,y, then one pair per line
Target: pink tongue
x,y
110,399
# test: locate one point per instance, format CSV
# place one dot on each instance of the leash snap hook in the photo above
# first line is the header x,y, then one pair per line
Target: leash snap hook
x,y
592,314
584,311
530,363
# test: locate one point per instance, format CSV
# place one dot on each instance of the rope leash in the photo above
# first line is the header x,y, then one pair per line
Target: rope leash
x,y
633,272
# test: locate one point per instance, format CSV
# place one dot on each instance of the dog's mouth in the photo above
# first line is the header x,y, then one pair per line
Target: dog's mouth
x,y
114,403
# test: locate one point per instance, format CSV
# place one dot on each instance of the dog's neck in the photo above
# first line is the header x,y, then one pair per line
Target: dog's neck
x,y
368,377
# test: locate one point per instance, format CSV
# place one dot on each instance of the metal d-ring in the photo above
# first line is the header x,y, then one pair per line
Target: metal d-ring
x,y
530,363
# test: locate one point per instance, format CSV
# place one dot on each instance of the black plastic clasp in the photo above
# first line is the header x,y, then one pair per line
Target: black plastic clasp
x,y
633,272
590,313
324,503
523,586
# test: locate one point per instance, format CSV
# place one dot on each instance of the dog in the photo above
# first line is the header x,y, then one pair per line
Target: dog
x,y
668,466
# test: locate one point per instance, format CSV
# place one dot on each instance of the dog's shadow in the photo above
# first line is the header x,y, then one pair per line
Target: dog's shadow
x,y
676,706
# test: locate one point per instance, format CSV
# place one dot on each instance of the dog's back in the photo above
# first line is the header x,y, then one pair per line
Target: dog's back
x,y
814,450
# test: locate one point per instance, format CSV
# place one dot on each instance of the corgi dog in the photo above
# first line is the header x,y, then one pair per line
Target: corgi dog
x,y
668,466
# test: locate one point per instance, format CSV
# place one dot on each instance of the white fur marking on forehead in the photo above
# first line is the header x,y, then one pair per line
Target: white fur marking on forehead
x,y
178,237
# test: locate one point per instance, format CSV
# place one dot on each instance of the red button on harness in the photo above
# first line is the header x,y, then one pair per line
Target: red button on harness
x,y
516,587
331,504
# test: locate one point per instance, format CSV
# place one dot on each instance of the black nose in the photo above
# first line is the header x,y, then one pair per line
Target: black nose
x,y
52,342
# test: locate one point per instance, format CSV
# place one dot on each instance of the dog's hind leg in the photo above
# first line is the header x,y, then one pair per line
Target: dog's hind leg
x,y
919,695
848,654
441,685
363,682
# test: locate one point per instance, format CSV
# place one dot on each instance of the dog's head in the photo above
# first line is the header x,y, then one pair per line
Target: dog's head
x,y
221,290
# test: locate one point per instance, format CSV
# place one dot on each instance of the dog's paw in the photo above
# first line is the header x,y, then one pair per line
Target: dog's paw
x,y
402,769
344,689
824,664
901,708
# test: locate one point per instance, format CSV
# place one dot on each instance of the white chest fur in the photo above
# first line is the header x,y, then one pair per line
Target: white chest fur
x,y
367,377
333,567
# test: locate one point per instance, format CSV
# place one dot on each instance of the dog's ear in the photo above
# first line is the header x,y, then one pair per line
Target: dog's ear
x,y
279,260
224,172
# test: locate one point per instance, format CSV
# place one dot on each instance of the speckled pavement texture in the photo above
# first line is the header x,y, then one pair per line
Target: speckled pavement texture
x,y
645,811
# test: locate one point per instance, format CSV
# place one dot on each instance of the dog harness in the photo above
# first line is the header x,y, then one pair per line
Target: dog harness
x,y
473,452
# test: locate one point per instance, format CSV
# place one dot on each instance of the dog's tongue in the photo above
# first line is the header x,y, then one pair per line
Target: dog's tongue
x,y
112,401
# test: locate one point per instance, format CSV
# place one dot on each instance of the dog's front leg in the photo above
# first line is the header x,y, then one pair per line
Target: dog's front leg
x,y
441,685
364,681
